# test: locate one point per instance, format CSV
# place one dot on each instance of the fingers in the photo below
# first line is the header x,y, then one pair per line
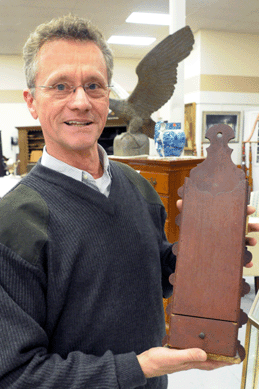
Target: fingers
x,y
190,355
250,241
212,365
250,210
253,227
197,359
179,204
160,360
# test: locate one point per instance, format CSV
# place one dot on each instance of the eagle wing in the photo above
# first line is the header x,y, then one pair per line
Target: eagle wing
x,y
157,72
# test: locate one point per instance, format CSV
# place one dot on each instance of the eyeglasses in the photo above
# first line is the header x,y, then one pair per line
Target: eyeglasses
x,y
62,90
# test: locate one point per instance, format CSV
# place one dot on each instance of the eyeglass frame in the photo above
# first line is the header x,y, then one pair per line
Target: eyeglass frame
x,y
72,88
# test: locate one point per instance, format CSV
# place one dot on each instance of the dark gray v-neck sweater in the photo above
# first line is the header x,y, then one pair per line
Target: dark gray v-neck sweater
x,y
81,282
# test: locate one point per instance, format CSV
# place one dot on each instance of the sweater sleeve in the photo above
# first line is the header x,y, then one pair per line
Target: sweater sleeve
x,y
25,360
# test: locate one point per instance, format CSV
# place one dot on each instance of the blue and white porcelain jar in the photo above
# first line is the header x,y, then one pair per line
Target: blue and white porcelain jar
x,y
169,139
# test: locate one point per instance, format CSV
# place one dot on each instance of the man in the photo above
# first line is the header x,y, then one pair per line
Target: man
x,y
83,256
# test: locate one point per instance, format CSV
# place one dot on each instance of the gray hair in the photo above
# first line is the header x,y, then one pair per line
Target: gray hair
x,y
66,27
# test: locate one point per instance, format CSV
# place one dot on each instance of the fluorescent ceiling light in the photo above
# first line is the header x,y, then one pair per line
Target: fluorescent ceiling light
x,y
131,40
149,18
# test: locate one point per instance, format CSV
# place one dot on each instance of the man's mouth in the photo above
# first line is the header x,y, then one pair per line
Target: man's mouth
x,y
79,124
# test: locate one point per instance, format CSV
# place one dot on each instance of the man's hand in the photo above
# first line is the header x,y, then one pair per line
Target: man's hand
x,y
252,227
160,361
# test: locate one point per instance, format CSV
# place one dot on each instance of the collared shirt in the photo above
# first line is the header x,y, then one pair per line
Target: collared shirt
x,y
101,184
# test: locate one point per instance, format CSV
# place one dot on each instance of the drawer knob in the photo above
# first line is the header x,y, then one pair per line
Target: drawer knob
x,y
202,335
152,181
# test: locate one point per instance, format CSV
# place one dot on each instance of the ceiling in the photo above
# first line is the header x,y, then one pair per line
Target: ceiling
x,y
19,17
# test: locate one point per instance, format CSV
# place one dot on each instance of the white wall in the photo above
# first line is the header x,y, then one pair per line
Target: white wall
x,y
215,54
11,70
223,56
13,115
13,111
125,73
229,53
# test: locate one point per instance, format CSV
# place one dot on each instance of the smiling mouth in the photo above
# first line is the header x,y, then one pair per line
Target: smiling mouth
x,y
79,124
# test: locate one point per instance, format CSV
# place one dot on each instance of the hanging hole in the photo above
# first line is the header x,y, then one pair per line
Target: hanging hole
x,y
219,134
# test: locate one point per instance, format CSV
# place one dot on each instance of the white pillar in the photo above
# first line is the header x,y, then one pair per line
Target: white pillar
x,y
177,10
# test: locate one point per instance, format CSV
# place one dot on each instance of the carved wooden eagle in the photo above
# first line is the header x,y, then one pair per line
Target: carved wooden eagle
x,y
157,77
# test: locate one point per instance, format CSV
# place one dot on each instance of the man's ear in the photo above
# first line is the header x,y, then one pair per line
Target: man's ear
x,y
28,97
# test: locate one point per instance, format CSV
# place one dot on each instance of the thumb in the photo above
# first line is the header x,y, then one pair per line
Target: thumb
x,y
192,355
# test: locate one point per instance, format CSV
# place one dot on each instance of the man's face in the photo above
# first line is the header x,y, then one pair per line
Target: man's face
x,y
74,123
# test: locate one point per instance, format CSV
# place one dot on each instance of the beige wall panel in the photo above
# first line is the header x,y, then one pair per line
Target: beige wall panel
x,y
237,84
226,53
11,96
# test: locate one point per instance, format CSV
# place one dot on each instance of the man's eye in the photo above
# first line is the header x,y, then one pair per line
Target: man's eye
x,y
93,86
60,87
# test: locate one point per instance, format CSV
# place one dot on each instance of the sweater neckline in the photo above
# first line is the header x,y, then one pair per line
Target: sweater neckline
x,y
77,188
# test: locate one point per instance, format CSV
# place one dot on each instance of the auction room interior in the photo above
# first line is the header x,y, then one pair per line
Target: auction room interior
x,y
218,80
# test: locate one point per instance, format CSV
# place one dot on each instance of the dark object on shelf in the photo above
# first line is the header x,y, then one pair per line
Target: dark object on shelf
x,y
205,309
14,141
107,137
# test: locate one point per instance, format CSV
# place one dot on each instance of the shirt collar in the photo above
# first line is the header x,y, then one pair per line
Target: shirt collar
x,y
71,171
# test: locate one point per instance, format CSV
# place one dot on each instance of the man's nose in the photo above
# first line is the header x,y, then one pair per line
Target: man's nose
x,y
79,99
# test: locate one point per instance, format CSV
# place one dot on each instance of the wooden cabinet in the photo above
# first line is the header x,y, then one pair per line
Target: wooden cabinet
x,y
30,139
166,176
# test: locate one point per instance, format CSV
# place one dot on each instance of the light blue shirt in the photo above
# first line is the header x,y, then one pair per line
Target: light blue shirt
x,y
102,184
